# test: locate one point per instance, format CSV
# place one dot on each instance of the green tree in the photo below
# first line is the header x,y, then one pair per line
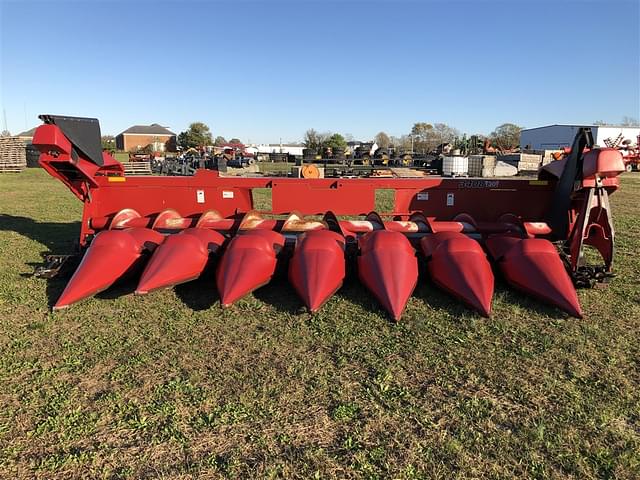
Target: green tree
x,y
219,141
235,140
506,136
335,141
383,140
108,142
198,134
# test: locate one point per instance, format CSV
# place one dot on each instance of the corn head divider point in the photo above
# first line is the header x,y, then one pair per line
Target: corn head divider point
x,y
533,232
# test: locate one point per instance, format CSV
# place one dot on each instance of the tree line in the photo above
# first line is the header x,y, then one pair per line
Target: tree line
x,y
424,138
199,134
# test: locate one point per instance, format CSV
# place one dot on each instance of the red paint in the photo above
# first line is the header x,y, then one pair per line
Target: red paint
x,y
248,263
111,254
181,257
534,266
458,265
317,268
388,267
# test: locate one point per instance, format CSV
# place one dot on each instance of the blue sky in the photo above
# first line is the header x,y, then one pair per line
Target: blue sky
x,y
262,71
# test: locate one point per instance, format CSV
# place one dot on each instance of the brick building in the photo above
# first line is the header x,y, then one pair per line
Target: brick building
x,y
140,136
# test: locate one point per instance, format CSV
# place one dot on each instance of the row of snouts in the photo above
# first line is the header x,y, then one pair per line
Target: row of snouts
x,y
386,263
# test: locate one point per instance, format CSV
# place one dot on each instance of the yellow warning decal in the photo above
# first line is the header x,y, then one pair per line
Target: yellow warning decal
x,y
117,179
538,182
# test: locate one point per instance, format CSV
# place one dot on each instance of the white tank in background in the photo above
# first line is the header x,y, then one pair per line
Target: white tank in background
x,y
455,166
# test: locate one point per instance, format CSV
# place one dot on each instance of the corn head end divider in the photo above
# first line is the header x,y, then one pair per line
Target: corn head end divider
x,y
460,232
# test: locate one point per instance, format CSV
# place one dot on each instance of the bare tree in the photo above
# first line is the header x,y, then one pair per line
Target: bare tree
x,y
312,139
629,122
443,133
402,143
506,136
383,140
316,140
421,133
427,137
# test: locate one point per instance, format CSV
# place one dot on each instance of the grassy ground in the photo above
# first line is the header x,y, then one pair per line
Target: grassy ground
x,y
275,166
170,386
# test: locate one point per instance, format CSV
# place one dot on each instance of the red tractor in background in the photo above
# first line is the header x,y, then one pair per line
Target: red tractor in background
x,y
631,155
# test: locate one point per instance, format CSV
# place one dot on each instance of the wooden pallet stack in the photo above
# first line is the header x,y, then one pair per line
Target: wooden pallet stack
x,y
12,155
137,168
524,162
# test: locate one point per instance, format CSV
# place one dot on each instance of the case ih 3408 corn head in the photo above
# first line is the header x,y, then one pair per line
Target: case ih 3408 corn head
x,y
171,228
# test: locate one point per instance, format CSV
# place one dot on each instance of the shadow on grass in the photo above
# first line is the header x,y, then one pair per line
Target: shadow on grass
x,y
59,238
280,295
531,305
199,294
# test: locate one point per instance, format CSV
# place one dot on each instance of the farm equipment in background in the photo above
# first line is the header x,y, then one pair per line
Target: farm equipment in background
x,y
234,155
458,231
140,156
192,159
364,153
630,153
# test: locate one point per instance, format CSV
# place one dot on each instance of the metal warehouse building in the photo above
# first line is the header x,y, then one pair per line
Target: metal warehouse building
x,y
552,137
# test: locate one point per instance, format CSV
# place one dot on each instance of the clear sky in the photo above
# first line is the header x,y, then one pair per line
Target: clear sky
x,y
262,71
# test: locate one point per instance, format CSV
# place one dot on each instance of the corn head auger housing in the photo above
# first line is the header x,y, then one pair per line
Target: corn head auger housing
x,y
533,232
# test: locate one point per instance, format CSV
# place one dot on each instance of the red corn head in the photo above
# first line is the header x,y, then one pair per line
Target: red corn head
x,y
248,263
388,267
317,268
458,265
534,266
181,258
111,254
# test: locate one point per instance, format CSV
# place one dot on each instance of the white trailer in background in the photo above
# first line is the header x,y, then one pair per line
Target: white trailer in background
x,y
279,148
553,137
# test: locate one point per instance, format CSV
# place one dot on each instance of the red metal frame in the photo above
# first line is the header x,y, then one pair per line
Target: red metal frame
x,y
106,191
460,226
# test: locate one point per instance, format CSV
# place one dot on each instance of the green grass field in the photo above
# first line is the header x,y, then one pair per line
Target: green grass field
x,y
171,386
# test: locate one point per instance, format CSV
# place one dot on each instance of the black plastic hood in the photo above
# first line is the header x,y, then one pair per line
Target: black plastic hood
x,y
84,134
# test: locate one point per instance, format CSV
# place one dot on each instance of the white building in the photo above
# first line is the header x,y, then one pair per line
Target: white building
x,y
278,148
552,137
